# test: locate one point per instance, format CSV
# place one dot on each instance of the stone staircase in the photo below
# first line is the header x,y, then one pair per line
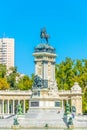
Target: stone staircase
x,y
39,118
7,122
80,121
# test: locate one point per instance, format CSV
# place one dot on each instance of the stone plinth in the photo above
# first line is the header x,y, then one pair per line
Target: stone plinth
x,y
45,101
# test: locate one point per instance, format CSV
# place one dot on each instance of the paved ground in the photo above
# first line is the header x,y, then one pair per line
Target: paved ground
x,y
39,118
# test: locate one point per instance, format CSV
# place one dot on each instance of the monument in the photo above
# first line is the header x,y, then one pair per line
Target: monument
x,y
45,91
46,105
46,102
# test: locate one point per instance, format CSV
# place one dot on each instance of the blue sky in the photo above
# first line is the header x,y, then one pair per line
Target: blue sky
x,y
65,21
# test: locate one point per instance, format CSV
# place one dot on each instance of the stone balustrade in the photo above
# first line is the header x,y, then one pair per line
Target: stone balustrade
x,y
15,92
69,92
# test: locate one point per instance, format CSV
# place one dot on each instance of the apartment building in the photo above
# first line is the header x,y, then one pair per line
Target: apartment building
x,y
7,52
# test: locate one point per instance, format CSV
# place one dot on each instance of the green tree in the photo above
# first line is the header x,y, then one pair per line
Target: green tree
x,y
25,83
85,100
11,78
3,84
70,71
64,73
3,70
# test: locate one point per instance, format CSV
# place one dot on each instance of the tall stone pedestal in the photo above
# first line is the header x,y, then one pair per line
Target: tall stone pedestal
x,y
43,99
45,109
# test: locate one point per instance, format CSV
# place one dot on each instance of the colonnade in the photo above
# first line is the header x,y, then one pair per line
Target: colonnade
x,y
10,106
9,100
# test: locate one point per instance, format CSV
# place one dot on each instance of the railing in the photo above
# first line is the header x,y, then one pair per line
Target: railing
x,y
69,92
15,92
29,92
64,91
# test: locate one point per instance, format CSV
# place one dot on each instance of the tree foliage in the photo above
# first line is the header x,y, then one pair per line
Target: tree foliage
x,y
3,81
85,100
25,83
3,84
70,71
64,72
11,78
3,70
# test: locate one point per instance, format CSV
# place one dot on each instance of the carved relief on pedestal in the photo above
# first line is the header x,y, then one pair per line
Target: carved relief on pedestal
x,y
53,89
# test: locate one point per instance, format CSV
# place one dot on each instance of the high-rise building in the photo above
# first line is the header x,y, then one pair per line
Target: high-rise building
x,y
7,52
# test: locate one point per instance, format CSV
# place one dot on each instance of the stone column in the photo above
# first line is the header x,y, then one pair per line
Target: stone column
x,y
19,101
36,71
0,106
76,98
53,71
8,106
62,105
13,107
24,106
3,106
67,101
77,102
44,70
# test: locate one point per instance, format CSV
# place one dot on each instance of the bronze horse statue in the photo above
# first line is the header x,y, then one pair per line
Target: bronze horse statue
x,y
44,34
